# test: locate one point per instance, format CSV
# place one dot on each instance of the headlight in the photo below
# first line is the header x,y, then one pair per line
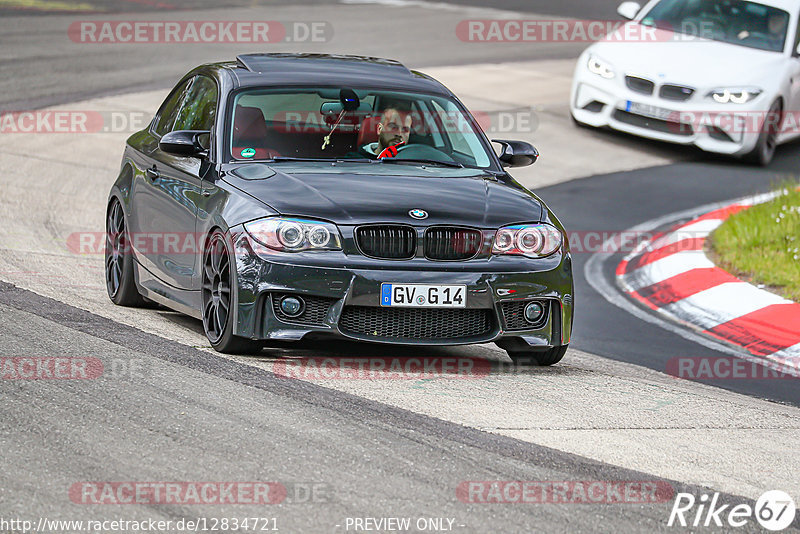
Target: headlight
x,y
600,67
293,235
735,95
531,240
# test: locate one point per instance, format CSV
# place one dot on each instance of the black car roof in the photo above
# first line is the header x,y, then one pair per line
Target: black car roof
x,y
252,70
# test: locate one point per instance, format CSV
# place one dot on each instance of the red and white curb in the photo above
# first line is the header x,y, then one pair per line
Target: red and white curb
x,y
671,274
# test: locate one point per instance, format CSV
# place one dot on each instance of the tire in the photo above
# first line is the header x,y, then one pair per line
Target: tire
x,y
764,151
544,358
120,281
216,293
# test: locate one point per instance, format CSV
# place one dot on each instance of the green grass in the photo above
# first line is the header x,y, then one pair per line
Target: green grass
x,y
762,243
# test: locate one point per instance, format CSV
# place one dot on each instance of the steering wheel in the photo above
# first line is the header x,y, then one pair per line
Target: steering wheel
x,y
758,37
419,151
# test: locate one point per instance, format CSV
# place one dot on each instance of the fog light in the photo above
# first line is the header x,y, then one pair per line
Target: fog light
x,y
292,306
534,312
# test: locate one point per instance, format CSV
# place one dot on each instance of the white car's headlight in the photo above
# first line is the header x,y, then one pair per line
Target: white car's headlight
x,y
532,240
294,235
600,67
734,95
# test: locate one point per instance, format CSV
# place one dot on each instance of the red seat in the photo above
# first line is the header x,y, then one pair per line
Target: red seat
x,y
369,131
250,131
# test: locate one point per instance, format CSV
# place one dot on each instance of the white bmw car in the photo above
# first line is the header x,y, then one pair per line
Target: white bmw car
x,y
723,75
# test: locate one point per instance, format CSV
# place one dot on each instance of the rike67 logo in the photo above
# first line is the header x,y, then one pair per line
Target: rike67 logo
x,y
774,510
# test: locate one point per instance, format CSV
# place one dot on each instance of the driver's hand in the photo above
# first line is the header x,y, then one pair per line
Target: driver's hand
x,y
390,151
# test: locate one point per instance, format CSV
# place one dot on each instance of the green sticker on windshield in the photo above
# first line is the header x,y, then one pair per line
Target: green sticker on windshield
x,y
248,152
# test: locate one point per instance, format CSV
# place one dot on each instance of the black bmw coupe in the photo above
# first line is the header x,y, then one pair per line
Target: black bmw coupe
x,y
303,196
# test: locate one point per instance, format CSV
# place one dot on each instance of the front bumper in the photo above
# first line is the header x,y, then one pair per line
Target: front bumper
x,y
344,302
719,128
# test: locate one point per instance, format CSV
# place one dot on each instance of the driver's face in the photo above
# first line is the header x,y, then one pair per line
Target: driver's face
x,y
777,24
394,128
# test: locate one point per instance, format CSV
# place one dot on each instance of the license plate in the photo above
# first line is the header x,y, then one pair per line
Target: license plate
x,y
423,296
649,111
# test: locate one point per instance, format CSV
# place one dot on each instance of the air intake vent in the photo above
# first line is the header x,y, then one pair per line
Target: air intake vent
x,y
314,309
452,244
514,315
640,85
678,93
428,324
389,242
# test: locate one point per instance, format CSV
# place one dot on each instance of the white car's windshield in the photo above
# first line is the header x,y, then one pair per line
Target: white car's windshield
x,y
344,123
732,21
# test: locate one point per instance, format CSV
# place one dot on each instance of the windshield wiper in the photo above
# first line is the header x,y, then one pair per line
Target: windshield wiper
x,y
453,164
331,160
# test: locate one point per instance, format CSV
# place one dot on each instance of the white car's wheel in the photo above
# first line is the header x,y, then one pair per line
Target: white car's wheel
x,y
764,150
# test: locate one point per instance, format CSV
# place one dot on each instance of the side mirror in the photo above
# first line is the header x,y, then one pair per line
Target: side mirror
x,y
191,143
517,153
629,10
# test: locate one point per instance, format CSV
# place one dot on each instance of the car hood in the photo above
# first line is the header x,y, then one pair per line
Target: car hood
x,y
352,194
664,60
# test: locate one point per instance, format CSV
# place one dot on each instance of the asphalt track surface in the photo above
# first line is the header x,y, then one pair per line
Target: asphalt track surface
x,y
42,67
366,459
617,202
187,414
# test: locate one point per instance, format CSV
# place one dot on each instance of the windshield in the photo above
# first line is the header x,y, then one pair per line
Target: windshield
x,y
355,124
730,21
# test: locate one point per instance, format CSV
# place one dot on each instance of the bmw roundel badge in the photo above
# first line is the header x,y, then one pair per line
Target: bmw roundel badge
x,y
418,214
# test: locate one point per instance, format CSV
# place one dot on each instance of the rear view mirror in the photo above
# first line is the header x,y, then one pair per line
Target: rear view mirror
x,y
629,10
517,153
334,108
185,143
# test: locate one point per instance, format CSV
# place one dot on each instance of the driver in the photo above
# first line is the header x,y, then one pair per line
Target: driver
x,y
776,24
393,130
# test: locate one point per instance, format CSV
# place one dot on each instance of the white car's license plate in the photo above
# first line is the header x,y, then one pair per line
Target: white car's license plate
x,y
423,296
650,111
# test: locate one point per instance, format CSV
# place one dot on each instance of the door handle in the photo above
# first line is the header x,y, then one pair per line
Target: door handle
x,y
152,173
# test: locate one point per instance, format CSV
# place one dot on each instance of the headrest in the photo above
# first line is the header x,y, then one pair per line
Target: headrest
x,y
369,131
248,126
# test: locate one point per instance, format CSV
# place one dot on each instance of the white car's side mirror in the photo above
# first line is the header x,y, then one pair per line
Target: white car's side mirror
x,y
629,10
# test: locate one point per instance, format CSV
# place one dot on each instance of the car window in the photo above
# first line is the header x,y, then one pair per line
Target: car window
x,y
797,37
199,109
739,22
169,109
461,136
315,123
